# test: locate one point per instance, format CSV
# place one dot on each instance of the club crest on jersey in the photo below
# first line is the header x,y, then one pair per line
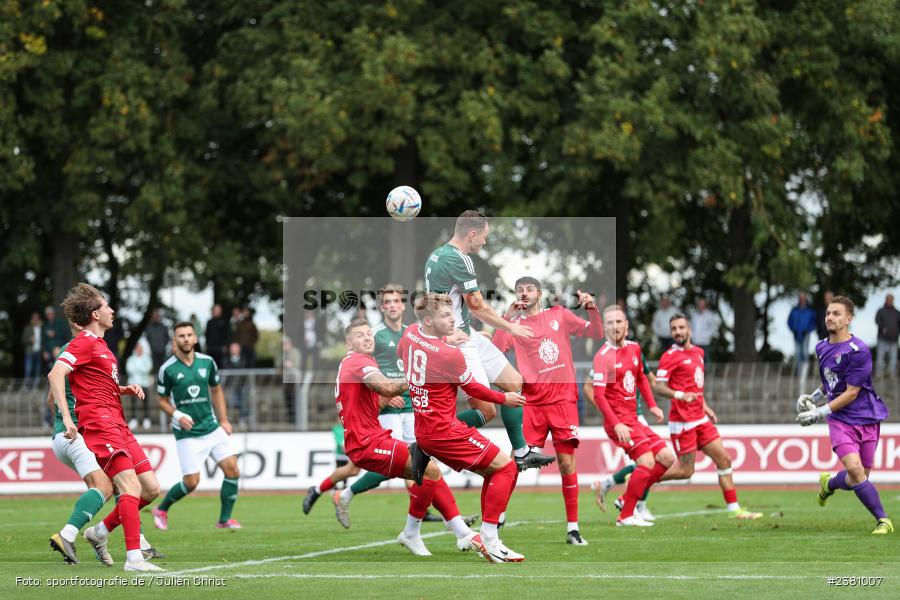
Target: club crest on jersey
x,y
193,391
837,359
554,325
202,371
634,360
831,378
628,382
698,377
548,351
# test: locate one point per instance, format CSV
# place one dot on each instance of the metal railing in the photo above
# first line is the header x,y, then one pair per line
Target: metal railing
x,y
258,400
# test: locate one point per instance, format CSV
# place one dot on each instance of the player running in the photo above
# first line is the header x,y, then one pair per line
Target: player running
x,y
618,374
549,374
435,370
680,376
75,455
361,390
605,485
449,270
853,411
93,374
343,470
200,424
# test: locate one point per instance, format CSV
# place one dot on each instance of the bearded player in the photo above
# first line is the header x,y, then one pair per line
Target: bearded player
x,y
549,374
435,370
190,395
361,391
449,270
93,375
853,411
680,376
618,374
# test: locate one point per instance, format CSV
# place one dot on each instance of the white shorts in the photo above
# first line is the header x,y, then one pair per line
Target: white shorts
x,y
74,454
402,426
483,358
192,451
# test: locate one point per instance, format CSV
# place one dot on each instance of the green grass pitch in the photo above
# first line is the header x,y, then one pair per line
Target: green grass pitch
x,y
694,551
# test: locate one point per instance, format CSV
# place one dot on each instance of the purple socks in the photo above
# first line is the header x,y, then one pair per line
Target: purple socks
x,y
868,495
838,482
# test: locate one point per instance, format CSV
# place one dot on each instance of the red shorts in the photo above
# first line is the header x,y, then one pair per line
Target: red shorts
x,y
116,449
461,448
643,440
386,456
693,439
559,419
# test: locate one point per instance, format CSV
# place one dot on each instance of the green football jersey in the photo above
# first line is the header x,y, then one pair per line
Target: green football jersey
x,y
188,389
70,400
386,341
449,271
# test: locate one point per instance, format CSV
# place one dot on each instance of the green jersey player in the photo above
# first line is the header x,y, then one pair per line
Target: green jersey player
x,y
189,392
450,270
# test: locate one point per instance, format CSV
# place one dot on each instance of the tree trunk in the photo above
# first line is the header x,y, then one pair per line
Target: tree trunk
x,y
745,313
64,274
624,247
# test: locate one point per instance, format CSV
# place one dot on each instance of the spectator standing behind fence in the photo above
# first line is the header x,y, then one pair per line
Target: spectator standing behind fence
x,y
237,384
140,368
888,321
801,322
246,334
31,348
218,335
661,323
288,363
54,334
704,326
821,330
157,335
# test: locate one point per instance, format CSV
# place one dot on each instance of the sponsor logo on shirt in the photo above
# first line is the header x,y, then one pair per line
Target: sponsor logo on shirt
x,y
391,345
687,362
193,391
628,382
548,351
698,377
115,373
180,376
831,378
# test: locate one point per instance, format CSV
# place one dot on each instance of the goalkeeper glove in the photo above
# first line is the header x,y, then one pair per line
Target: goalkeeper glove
x,y
808,401
809,417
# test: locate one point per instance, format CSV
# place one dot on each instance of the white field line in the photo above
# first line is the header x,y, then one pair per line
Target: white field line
x,y
272,559
494,575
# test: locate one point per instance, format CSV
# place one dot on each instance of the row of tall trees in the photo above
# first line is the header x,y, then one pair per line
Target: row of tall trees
x,y
748,147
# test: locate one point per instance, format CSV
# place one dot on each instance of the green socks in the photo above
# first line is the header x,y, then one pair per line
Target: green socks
x,y
367,482
175,494
512,421
471,417
228,495
623,473
88,505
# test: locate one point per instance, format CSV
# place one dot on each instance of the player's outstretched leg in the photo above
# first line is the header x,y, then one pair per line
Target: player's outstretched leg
x,y
177,492
716,451
601,488
499,482
828,485
87,505
445,503
342,473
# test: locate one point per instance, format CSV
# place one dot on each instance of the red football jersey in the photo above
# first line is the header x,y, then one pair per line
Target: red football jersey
x,y
434,371
545,361
620,371
94,379
357,405
682,370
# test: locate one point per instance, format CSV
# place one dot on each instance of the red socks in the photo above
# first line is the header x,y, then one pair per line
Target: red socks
x,y
326,484
496,491
420,497
444,501
570,496
114,519
730,495
127,512
637,485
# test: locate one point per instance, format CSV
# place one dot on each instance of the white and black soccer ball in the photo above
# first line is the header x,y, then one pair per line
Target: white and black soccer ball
x,y
403,203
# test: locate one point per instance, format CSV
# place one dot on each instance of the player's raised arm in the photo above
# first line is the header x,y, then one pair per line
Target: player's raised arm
x,y
486,314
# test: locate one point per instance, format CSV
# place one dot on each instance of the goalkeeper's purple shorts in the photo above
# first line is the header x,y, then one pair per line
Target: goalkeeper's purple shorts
x,y
860,439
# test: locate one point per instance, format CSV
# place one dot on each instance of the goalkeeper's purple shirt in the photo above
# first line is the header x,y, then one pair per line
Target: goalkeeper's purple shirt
x,y
850,363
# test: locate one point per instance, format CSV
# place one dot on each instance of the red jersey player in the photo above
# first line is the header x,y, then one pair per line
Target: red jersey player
x,y
545,362
93,375
618,373
361,391
435,370
680,377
